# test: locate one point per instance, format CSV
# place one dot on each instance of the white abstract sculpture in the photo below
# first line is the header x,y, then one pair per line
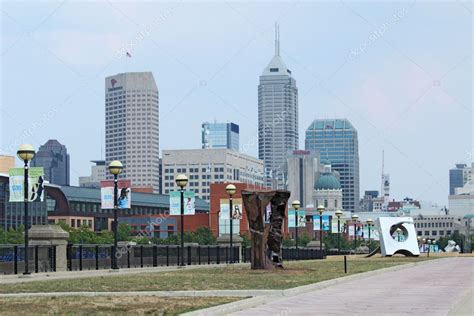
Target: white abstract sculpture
x,y
398,235
452,247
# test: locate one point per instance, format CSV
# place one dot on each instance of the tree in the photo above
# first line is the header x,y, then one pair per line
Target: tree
x,y
12,236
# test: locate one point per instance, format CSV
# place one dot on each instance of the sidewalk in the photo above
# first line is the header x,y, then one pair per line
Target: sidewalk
x,y
439,287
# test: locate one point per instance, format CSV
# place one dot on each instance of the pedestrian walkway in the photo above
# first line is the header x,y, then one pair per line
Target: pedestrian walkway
x,y
439,287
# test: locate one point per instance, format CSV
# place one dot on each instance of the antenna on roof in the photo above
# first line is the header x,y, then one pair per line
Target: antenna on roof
x,y
277,39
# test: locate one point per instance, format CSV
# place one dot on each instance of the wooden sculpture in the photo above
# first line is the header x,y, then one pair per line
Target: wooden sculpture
x,y
265,227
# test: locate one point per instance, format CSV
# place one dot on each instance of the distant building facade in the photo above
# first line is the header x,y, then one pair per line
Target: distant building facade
x,y
220,135
301,168
458,177
206,166
436,226
53,157
6,163
98,173
337,141
277,118
132,127
367,201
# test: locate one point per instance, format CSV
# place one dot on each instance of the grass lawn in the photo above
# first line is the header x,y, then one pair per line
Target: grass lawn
x,y
146,305
230,278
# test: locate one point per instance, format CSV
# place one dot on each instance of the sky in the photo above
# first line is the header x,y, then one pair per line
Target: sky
x,y
401,72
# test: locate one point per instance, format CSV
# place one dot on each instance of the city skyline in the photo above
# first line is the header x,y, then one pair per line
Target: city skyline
x,y
384,108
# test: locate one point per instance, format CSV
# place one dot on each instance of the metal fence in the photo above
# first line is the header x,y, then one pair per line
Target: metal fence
x,y
95,257
41,259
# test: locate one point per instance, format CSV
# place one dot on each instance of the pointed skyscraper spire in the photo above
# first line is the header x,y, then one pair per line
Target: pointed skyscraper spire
x,y
277,39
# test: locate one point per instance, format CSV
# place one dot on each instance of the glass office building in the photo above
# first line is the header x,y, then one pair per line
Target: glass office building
x,y
220,135
336,140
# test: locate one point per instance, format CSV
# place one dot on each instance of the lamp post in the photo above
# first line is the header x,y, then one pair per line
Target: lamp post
x,y
230,188
181,181
429,246
355,217
26,152
399,232
296,205
338,214
321,211
369,226
115,168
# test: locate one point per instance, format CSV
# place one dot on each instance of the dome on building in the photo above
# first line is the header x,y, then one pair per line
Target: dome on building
x,y
325,161
327,181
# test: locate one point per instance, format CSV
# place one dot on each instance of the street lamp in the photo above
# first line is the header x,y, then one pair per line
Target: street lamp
x,y
115,168
369,224
321,210
338,214
230,188
181,181
355,217
296,205
399,232
429,246
26,152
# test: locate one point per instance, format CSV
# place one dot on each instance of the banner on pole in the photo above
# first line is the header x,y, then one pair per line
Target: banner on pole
x,y
334,227
124,194
351,230
301,218
236,212
35,184
189,203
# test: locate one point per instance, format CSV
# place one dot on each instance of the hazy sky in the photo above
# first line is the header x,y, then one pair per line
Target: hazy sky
x,y
401,72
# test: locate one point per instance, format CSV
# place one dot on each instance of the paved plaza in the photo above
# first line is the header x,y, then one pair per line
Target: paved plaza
x,y
439,287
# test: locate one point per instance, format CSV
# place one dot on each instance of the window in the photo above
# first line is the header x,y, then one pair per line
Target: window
x,y
419,233
73,223
434,233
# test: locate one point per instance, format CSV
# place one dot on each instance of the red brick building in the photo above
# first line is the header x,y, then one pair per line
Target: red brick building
x,y
218,192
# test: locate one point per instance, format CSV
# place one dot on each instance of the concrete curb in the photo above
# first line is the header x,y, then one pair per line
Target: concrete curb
x,y
255,301
210,293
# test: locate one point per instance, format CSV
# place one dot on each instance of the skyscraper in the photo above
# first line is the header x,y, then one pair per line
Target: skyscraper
x,y
457,177
220,135
336,141
53,157
132,127
277,117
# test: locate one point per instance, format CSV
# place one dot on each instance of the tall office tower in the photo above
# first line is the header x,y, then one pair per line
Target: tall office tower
x,y
98,173
277,117
336,140
53,157
457,177
132,127
220,135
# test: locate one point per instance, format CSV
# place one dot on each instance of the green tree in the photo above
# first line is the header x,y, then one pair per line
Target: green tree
x,y
12,236
125,231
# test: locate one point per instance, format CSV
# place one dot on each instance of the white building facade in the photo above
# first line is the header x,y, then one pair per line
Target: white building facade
x,y
206,166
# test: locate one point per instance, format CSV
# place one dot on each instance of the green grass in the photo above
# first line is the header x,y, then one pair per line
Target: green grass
x,y
144,305
230,278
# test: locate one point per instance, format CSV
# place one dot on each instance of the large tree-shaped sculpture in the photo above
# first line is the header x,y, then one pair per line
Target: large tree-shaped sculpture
x,y
265,229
